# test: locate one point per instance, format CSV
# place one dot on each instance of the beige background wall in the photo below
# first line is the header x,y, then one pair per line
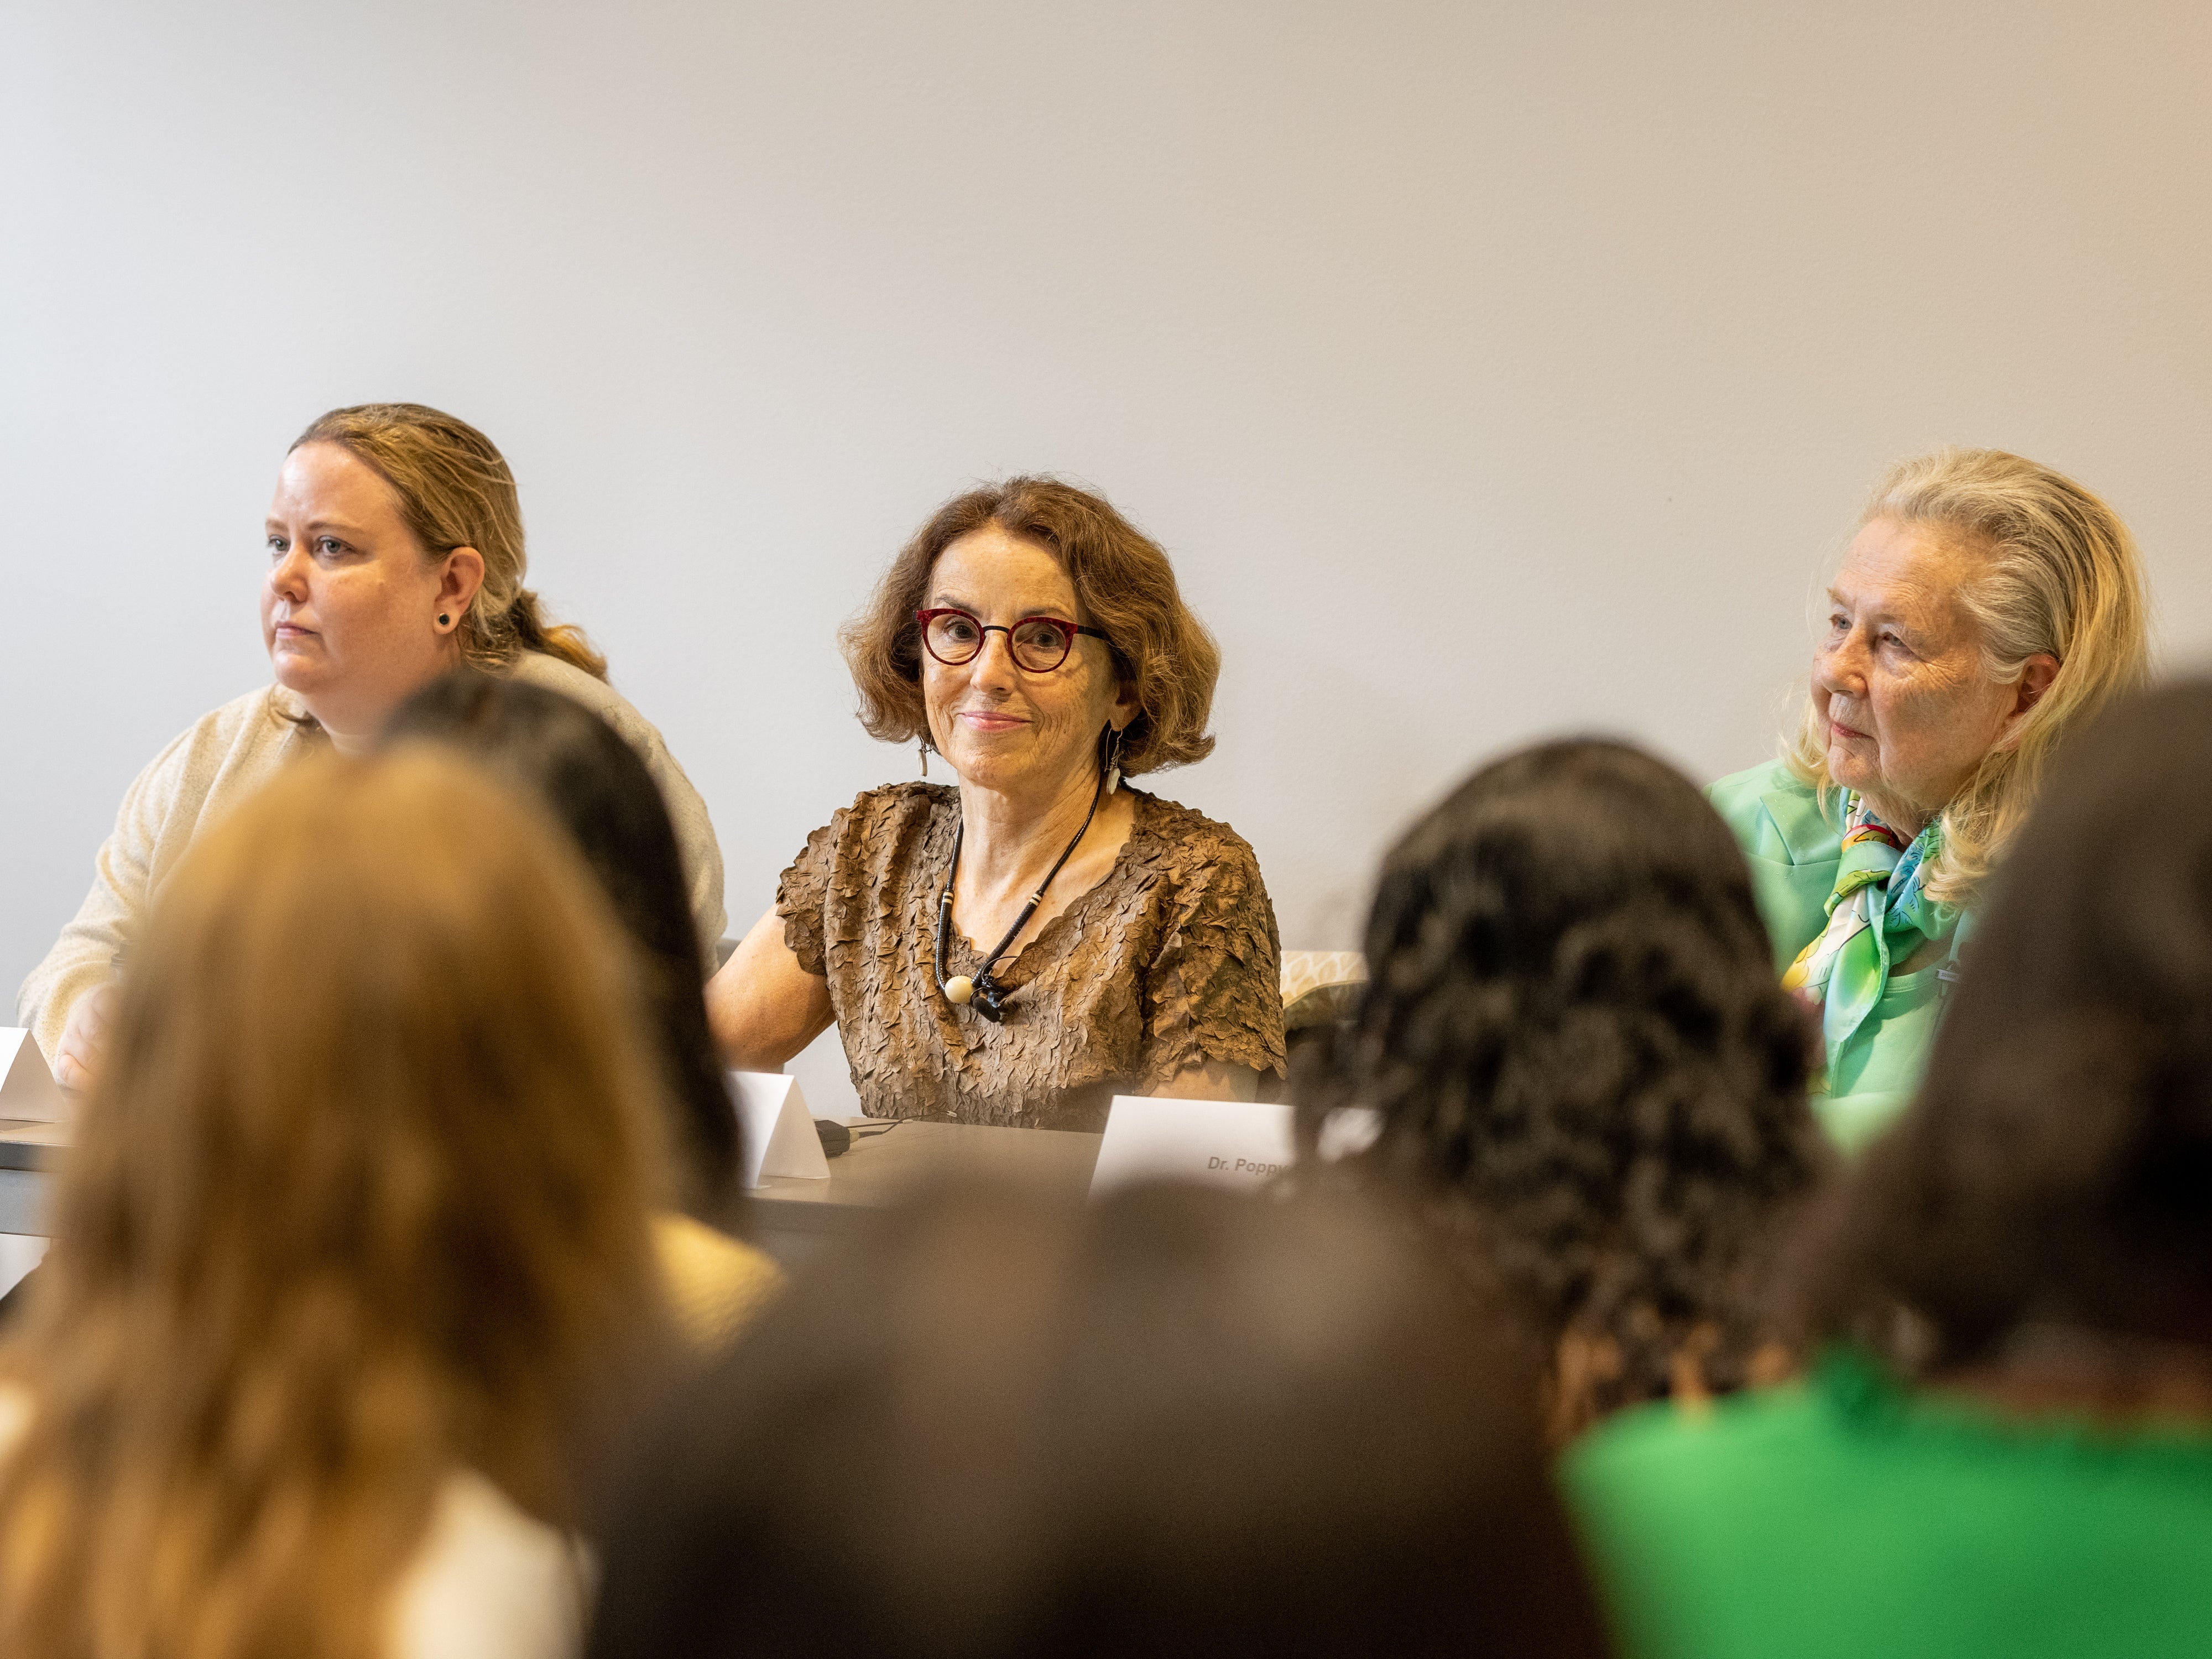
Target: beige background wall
x,y
1489,370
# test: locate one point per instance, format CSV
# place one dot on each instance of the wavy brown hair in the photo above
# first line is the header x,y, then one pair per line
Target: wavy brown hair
x,y
455,490
1123,584
360,1199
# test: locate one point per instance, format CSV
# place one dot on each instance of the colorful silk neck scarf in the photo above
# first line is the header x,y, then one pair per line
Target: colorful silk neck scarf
x,y
1878,915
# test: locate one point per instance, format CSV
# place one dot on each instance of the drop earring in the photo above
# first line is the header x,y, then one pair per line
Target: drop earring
x,y
921,748
1112,763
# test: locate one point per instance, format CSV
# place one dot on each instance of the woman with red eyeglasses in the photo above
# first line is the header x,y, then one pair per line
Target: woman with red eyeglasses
x,y
1025,941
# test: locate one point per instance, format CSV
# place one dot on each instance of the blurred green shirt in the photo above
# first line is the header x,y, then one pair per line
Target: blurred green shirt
x,y
1794,848
1848,1517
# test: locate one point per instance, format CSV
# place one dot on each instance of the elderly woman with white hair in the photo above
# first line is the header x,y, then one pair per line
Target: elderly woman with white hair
x,y
1986,608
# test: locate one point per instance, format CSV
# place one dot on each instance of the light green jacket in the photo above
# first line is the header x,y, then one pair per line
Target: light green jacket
x,y
1793,843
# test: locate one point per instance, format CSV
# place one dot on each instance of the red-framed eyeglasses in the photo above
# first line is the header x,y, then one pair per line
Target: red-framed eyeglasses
x,y
1038,644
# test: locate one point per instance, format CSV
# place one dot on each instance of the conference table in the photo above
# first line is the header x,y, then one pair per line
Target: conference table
x,y
790,1218
28,1152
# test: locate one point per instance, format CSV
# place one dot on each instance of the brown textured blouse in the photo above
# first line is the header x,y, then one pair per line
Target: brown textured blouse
x,y
1171,959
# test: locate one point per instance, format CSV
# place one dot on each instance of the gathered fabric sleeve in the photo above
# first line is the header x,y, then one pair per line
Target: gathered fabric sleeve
x,y
802,894
1213,991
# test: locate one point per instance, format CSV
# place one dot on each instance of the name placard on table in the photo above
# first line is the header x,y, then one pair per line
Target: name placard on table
x,y
779,1136
1225,1143
28,1093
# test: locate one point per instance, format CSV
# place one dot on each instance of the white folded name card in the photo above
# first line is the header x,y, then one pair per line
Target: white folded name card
x,y
28,1089
1231,1143
777,1130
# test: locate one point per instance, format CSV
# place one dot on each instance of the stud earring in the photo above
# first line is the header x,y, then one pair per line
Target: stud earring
x,y
444,621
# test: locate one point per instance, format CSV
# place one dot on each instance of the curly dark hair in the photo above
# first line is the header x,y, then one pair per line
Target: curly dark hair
x,y
2057,1166
1574,1037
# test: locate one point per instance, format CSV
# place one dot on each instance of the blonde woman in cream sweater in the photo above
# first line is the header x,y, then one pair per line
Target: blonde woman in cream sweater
x,y
395,553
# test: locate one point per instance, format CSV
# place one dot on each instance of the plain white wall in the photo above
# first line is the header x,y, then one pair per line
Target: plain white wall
x,y
1489,370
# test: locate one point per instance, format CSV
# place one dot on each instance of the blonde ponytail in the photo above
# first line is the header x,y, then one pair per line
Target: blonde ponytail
x,y
561,640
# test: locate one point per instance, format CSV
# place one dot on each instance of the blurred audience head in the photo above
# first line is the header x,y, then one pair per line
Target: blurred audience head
x,y
1579,1051
1180,1421
598,790
361,1198
2055,1173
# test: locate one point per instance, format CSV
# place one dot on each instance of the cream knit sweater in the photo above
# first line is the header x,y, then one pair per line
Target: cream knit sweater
x,y
228,754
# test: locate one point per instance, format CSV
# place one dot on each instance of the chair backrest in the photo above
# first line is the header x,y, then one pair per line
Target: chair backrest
x,y
1321,986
